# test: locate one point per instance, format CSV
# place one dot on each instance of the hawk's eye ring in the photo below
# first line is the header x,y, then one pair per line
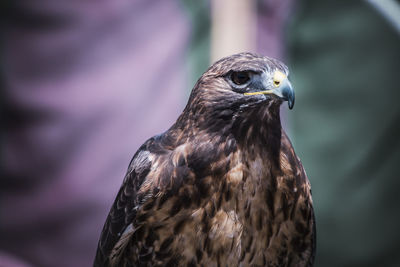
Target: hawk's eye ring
x,y
240,77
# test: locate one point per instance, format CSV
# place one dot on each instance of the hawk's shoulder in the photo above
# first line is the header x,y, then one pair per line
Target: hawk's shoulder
x,y
154,182
124,208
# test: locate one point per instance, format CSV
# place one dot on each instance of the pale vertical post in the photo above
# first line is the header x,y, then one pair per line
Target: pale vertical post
x,y
233,27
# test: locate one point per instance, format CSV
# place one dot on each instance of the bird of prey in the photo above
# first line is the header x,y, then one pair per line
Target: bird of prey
x,y
221,187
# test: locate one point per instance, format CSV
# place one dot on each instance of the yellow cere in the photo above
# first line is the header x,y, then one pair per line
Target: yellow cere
x,y
278,78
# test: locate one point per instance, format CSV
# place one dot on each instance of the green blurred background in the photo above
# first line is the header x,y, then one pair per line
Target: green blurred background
x,y
344,58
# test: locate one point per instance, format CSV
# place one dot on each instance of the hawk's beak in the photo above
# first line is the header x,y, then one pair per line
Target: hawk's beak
x,y
286,92
282,88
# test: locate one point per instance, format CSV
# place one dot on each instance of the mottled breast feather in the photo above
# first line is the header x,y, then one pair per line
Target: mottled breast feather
x,y
222,187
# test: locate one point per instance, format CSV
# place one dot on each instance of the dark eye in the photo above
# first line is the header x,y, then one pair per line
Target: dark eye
x,y
240,77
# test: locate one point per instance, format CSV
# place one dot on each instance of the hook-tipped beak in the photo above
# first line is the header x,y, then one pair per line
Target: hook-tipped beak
x,y
287,92
282,89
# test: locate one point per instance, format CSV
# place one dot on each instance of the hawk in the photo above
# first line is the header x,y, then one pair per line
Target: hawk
x,y
221,187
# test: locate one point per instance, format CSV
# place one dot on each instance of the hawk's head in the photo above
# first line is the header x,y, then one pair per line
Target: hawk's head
x,y
237,93
245,79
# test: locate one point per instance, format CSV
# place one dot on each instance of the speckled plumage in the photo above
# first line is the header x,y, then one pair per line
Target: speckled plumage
x,y
221,187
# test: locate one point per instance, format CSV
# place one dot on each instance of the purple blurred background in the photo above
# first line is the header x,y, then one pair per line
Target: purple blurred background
x,y
84,84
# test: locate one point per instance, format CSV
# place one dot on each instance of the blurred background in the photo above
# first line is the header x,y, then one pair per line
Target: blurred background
x,y
84,83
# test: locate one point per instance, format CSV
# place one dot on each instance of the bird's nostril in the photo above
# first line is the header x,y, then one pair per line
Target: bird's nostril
x,y
276,83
